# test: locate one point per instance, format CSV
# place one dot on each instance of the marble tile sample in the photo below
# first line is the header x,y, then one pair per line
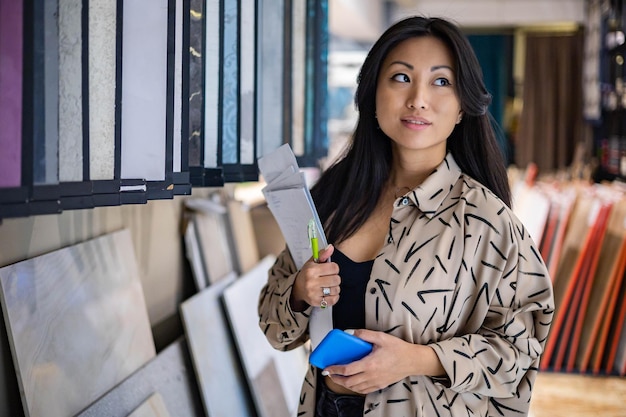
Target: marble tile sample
x,y
152,407
77,323
70,91
247,81
144,89
170,374
102,35
196,74
270,67
212,78
230,82
223,386
256,354
11,51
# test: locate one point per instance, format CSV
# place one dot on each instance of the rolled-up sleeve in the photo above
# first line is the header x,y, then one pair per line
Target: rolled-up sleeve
x,y
495,359
284,328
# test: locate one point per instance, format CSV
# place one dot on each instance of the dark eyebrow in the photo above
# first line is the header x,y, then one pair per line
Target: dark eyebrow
x,y
409,66
436,67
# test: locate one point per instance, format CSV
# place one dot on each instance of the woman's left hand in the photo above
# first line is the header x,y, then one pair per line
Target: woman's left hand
x,y
391,360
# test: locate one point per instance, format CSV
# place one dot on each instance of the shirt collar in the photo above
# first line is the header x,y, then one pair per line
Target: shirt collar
x,y
429,195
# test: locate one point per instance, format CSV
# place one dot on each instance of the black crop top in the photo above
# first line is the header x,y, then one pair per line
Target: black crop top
x,y
349,312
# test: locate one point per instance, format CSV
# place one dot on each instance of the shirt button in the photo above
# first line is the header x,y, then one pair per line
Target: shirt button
x,y
372,290
405,201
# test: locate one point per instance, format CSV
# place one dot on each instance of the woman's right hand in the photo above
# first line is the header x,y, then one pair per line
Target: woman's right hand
x,y
313,278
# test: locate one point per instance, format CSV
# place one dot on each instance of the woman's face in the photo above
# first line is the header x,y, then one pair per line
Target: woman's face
x,y
416,100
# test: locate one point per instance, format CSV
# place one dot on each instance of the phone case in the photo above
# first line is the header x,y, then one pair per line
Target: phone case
x,y
339,348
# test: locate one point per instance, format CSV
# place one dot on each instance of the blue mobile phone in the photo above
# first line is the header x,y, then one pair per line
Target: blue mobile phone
x,y
339,348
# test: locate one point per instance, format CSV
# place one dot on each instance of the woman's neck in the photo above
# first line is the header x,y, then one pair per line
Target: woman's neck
x,y
410,169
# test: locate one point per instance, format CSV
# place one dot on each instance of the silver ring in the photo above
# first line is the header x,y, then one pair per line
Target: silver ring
x,y
326,291
323,304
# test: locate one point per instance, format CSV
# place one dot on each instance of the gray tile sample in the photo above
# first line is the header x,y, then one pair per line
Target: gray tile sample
x,y
70,91
270,67
77,323
256,354
102,34
170,374
223,386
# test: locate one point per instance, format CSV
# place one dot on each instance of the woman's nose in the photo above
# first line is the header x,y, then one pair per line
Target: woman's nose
x,y
417,98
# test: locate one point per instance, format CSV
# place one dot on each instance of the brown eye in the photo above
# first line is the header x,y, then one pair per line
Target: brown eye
x,y
402,78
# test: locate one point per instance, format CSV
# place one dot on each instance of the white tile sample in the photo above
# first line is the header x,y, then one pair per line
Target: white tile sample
x,y
223,386
170,374
77,323
257,355
144,89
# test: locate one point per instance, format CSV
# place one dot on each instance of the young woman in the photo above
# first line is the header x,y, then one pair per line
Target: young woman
x,y
429,264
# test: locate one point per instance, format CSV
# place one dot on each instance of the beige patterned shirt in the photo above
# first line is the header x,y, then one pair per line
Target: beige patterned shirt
x,y
458,272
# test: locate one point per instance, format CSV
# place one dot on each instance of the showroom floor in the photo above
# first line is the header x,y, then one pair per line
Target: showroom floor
x,y
574,395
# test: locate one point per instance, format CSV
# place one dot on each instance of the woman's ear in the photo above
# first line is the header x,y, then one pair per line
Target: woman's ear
x,y
458,120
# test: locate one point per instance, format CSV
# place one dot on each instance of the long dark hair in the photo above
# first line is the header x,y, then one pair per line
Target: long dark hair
x,y
348,191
